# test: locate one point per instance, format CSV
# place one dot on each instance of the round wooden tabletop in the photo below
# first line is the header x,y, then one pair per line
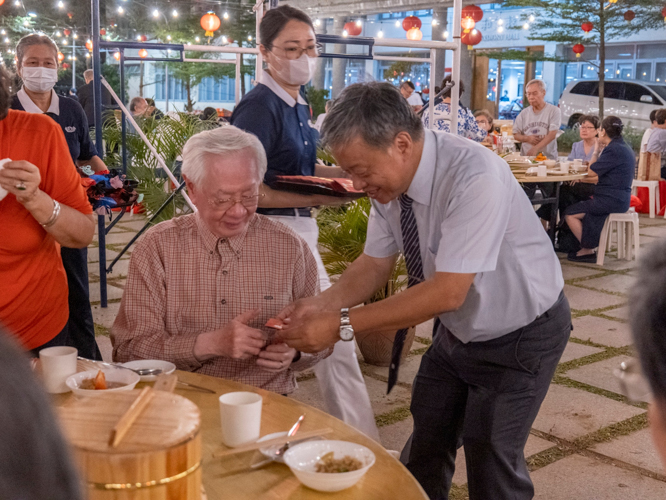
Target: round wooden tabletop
x,y
231,476
527,179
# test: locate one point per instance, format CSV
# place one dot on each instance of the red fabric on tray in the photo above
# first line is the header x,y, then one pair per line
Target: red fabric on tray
x,y
336,184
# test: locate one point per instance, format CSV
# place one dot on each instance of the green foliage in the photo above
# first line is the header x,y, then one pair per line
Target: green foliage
x,y
519,55
317,99
342,235
168,136
565,140
398,70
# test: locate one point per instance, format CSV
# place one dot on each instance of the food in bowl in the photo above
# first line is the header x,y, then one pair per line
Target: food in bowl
x,y
550,163
99,383
328,463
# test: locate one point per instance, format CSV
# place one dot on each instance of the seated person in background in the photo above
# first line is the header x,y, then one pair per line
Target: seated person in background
x,y
413,99
648,132
201,287
536,126
588,130
485,121
467,125
322,116
647,308
140,108
210,114
657,141
612,167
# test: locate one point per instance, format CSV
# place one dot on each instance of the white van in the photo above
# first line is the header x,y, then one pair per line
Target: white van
x,y
630,100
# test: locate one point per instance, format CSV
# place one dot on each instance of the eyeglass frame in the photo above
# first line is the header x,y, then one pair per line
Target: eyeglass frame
x,y
318,49
218,204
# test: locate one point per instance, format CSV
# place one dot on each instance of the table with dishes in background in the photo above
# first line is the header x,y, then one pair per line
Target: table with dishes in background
x,y
145,431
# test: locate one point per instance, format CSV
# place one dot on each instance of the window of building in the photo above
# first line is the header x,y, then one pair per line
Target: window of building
x,y
624,51
175,88
217,89
660,72
571,73
625,71
589,72
644,71
652,51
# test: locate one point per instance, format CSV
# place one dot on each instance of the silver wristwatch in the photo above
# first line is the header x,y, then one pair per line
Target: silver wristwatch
x,y
346,329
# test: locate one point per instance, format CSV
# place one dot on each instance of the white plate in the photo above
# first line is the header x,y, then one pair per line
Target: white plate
x,y
302,459
139,364
126,377
269,451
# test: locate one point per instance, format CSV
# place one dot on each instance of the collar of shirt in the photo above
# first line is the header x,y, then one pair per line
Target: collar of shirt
x,y
211,241
31,107
420,189
267,80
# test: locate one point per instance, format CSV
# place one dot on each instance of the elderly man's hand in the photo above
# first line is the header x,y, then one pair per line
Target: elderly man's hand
x,y
276,357
311,331
236,340
534,139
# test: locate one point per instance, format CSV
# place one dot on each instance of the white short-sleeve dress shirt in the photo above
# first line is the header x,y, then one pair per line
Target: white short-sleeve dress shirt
x,y
473,217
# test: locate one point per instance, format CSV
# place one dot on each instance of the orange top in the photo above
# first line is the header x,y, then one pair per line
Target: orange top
x,y
33,284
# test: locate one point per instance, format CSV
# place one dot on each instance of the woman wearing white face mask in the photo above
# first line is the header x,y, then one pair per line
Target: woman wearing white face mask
x,y
37,65
277,113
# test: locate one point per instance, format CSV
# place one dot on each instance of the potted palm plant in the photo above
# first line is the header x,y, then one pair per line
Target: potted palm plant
x,y
342,235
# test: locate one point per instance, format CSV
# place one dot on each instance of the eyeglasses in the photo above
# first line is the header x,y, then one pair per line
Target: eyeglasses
x,y
227,204
588,128
296,52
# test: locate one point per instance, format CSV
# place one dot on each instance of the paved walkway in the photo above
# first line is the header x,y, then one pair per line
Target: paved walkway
x,y
588,442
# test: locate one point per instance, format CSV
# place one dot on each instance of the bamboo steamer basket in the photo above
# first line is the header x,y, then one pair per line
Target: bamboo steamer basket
x,y
158,459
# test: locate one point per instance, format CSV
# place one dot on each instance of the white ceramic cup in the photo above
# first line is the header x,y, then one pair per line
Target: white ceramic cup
x,y
577,163
564,166
542,170
58,363
240,415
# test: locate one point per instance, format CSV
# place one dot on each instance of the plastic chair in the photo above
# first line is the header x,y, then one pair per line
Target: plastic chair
x,y
623,224
653,189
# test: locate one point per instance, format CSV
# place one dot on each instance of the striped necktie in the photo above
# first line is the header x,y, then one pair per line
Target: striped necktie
x,y
412,252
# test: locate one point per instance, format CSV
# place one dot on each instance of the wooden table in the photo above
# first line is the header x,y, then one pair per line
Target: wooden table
x,y
231,478
552,200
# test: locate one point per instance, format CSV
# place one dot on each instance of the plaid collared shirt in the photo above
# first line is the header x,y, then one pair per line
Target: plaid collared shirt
x,y
183,281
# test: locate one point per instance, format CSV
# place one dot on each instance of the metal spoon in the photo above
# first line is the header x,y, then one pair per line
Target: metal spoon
x,y
141,372
282,449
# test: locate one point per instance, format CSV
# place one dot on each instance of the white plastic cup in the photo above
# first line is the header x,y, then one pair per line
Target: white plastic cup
x,y
542,170
240,415
564,166
577,163
58,363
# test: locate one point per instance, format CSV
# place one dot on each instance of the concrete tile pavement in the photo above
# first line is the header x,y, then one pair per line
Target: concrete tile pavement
x,y
587,441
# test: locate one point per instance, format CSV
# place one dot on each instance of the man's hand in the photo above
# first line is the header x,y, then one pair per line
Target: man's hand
x,y
311,330
235,340
534,139
297,310
533,151
276,357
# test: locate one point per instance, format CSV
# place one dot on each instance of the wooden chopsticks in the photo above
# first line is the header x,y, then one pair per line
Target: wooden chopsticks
x,y
272,442
128,418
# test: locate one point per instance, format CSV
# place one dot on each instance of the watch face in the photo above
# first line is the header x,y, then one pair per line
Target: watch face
x,y
346,333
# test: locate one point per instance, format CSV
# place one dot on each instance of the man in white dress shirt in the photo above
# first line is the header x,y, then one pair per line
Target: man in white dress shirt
x,y
408,91
478,260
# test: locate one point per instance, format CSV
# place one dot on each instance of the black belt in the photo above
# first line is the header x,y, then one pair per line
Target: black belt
x,y
293,212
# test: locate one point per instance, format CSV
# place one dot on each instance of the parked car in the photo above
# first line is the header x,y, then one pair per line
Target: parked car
x,y
630,100
509,110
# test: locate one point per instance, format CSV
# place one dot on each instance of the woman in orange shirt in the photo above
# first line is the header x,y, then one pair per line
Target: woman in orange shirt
x,y
44,206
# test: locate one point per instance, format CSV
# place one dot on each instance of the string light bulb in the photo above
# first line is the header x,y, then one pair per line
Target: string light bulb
x,y
380,34
168,37
225,16
120,10
249,38
446,34
196,39
359,23
61,5
156,13
500,22
345,33
174,13
526,26
317,22
500,29
397,24
531,18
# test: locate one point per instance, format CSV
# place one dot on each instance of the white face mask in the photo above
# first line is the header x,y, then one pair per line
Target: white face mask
x,y
297,71
39,79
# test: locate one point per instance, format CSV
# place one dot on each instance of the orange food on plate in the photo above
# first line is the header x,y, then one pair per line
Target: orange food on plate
x,y
100,381
541,157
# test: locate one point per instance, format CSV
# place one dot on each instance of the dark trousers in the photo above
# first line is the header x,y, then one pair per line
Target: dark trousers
x,y
487,393
81,326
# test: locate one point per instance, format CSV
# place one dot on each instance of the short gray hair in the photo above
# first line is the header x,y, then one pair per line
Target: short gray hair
x,y
540,83
647,315
223,141
88,74
376,112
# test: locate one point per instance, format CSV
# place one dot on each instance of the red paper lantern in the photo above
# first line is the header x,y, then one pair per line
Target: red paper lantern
x,y
411,22
587,26
426,90
629,15
143,53
210,23
70,15
2,1
143,38
65,66
89,45
663,13
102,32
474,12
61,57
472,38
67,32
467,24
578,49
116,56
414,34
353,29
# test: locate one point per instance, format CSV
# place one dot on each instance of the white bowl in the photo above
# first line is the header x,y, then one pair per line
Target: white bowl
x,y
550,163
302,460
130,379
139,364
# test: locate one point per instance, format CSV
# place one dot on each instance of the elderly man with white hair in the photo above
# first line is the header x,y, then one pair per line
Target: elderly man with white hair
x,y
536,126
201,287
